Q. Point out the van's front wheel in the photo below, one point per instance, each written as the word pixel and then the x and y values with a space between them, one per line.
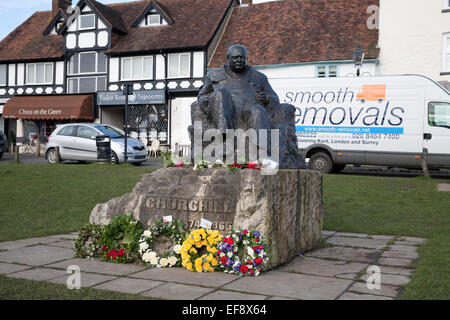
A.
pixel 321 161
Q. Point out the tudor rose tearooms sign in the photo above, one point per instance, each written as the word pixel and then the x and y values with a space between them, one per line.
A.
pixel 138 97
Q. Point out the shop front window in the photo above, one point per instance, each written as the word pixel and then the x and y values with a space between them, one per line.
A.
pixel 150 122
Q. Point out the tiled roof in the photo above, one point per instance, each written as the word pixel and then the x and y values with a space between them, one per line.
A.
pixel 27 41
pixel 194 24
pixel 292 31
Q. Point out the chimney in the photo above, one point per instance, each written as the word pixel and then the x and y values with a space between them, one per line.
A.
pixel 246 3
pixel 60 4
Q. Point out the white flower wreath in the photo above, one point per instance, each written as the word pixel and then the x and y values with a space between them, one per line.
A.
pixel 175 230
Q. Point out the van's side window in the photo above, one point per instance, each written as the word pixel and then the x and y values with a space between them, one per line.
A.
pixel 439 114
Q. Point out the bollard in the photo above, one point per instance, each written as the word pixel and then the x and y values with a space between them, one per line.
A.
pixel 16 154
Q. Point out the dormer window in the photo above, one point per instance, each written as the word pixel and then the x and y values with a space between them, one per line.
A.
pixel 87 21
pixel 153 19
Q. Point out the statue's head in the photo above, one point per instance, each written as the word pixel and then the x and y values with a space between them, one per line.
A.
pixel 237 58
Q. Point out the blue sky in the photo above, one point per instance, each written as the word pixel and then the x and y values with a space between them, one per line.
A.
pixel 14 12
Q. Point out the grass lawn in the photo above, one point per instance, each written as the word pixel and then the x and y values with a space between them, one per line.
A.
pixel 39 200
pixel 397 206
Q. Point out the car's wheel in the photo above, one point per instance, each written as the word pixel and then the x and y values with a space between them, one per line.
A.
pixel 321 161
pixel 53 156
pixel 114 159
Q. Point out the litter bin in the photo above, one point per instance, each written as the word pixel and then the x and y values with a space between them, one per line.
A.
pixel 103 149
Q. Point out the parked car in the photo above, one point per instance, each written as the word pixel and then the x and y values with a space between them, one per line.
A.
pixel 77 141
pixel 3 144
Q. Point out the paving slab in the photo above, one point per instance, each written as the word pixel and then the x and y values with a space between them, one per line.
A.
pixel 176 291
pixel 396 262
pixel 407 243
pixel 357 296
pixel 10 245
pixel 69 236
pixel 181 275
pixel 280 298
pixel 6 268
pixel 36 255
pixel 39 274
pixel 346 254
pixel 321 267
pixel 291 285
pixel 393 279
pixel 129 285
pixel 231 295
pixel 86 279
pixel 327 233
pixel 413 239
pixel 351 234
pixel 358 242
pixel 443 187
pixel 396 270
pixel 385 289
pixel 69 244
pixel 97 266
pixel 400 254
pixel 381 237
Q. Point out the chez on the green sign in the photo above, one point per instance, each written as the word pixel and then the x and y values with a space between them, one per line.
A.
pixel 138 97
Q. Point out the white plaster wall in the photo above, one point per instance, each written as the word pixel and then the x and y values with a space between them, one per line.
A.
pixel 199 64
pixel 71 41
pixel 59 72
pixel 309 70
pixel 180 120
pixel 114 64
pixel 12 75
pixel 411 37
pixel 160 69
pixel 86 40
pixel 20 74
pixel 102 39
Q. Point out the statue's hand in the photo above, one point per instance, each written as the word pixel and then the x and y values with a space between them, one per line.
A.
pixel 203 99
pixel 262 97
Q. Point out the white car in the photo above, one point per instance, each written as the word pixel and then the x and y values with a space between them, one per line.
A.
pixel 77 141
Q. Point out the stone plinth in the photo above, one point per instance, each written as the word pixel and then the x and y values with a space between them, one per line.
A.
pixel 286 208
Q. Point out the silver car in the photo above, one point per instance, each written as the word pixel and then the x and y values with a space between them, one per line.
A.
pixel 77 141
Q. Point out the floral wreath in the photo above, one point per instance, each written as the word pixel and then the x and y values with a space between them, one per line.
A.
pixel 120 238
pixel 195 243
pixel 87 243
pixel 174 230
pixel 254 260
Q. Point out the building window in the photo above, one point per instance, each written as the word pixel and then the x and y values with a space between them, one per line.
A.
pixel 137 68
pixel 40 73
pixel 153 20
pixel 3 68
pixel 326 71
pixel 87 22
pixel 446 53
pixel 86 84
pixel 179 65
pixel 87 62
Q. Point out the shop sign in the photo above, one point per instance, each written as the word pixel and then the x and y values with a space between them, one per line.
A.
pixel 138 97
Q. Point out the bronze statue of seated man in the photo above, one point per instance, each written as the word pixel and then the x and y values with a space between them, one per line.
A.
pixel 237 96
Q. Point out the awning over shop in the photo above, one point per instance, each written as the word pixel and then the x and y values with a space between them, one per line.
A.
pixel 49 107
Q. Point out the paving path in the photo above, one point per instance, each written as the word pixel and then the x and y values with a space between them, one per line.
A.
pixel 336 270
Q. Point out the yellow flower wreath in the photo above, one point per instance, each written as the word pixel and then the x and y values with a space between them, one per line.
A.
pixel 200 239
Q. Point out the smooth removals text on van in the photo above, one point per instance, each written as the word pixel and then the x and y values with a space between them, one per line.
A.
pixel 392 121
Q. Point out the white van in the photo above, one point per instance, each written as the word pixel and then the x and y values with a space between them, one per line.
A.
pixel 389 121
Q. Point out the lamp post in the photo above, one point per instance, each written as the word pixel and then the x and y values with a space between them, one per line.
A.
pixel 127 90
pixel 358 57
